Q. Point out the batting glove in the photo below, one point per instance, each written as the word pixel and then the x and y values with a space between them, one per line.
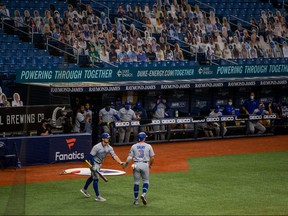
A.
pixel 94 168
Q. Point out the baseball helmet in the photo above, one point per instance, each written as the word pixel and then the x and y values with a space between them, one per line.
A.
pixel 105 136
pixel 141 136
pixel 217 106
pixel 138 104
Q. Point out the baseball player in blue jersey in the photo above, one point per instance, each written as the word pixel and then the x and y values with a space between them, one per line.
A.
pixel 96 158
pixel 143 156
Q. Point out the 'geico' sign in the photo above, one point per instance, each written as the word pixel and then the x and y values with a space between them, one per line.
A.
pixel 135 123
pixel 168 121
pixel 227 118
pixel 156 121
pixel 183 121
pixel 163 121
pixel 122 124
pixel 255 117
pixel 273 116
pixel 212 119
pixel 126 124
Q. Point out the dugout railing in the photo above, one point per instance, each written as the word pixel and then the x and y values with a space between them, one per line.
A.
pixel 193 128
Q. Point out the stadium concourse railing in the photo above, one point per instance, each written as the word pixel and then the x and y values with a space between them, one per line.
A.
pixel 187 128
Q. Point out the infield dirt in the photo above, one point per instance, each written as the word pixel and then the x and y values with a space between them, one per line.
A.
pixel 169 157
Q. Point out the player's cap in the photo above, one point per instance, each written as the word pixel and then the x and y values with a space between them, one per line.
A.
pixel 105 136
pixel 138 104
pixel 141 136
pixel 217 106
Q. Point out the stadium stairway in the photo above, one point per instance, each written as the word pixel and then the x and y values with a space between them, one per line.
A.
pixel 16 55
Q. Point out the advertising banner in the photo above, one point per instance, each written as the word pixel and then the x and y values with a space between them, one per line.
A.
pixel 199 85
pixel 69 147
pixel 149 73
pixel 28 118
pixel 197 119
pixel 50 149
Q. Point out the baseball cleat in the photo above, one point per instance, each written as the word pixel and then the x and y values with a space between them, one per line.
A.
pixel 84 192
pixel 136 202
pixel 143 198
pixel 99 198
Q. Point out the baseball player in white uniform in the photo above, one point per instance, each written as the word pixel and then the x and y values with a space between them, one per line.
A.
pixel 96 158
pixel 142 154
pixel 126 114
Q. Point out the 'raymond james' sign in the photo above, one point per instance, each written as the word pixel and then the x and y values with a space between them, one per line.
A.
pixel 149 73
pixel 28 118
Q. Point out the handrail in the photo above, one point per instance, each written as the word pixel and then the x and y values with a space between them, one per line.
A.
pixel 66 44
pixel 167 42
pixel 214 9
pixel 17 28
pixel 192 54
pixel 127 17
pixel 245 22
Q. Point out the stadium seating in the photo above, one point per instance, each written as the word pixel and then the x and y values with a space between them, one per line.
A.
pixel 25 53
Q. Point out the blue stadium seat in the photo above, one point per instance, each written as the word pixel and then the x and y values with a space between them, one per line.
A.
pixel 30 60
pixel 8 60
pixel 3 46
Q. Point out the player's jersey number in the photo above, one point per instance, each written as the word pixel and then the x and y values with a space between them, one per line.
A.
pixel 141 153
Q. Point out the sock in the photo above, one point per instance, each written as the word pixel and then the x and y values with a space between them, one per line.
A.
pixel 136 191
pixel 95 186
pixel 88 182
pixel 145 188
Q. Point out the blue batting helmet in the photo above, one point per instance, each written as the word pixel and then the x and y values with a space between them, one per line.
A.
pixel 141 136
pixel 138 105
pixel 105 136
pixel 217 106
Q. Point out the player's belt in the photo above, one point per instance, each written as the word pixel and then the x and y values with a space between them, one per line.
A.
pixel 140 161
pixel 97 162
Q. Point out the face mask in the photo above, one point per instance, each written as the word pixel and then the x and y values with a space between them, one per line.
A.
pixel 107 109
pixel 127 107
pixel 252 97
pixel 230 103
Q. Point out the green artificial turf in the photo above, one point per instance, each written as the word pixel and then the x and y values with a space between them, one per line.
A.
pixel 248 184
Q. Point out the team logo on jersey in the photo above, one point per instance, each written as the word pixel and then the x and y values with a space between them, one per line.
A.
pixel 70 142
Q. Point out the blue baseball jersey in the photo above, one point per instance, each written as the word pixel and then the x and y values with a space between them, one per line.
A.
pixel 229 110
pixel 251 105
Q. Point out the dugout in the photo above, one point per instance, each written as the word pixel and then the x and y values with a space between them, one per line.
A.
pixel 187 97
pixel 190 90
